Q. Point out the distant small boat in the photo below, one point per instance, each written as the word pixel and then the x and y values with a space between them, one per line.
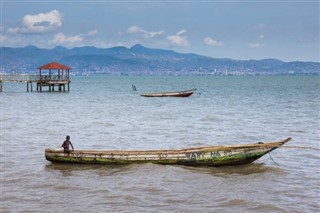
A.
pixel 185 93
pixel 202 156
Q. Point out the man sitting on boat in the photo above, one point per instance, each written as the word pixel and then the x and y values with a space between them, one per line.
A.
pixel 66 144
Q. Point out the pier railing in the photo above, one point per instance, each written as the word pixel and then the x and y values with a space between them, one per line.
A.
pixel 30 78
pixel 53 78
pixel 18 77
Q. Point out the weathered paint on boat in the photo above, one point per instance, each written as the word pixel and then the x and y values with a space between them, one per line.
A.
pixel 208 156
pixel 185 93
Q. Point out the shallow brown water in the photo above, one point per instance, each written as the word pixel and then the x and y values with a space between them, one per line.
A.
pixel 105 114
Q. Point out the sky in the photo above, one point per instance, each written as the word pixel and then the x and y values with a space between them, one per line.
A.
pixel 241 30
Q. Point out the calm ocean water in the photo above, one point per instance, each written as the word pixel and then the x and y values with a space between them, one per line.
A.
pixel 104 113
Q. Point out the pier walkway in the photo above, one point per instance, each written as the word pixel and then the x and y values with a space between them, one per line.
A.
pixel 40 80
pixel 19 78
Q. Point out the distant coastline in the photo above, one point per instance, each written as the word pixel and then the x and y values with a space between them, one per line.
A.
pixel 140 60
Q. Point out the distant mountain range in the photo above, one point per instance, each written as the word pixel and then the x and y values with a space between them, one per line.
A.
pixel 139 60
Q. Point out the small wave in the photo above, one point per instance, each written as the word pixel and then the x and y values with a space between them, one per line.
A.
pixel 209 118
pixel 298 131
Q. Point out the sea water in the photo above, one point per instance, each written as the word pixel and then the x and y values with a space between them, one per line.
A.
pixel 103 112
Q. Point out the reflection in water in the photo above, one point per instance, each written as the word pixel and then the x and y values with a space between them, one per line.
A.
pixel 108 170
pixel 248 169
pixel 71 169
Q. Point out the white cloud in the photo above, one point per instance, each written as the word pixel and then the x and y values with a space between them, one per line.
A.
pixel 256 45
pixel 135 30
pixel 116 44
pixel 60 38
pixel 3 38
pixel 263 27
pixel 13 30
pixel 92 32
pixel 153 34
pixel 39 23
pixel 212 42
pixel 259 27
pixel 181 32
pixel 179 38
pixel 146 34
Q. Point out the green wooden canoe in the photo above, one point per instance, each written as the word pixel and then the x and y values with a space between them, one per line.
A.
pixel 208 156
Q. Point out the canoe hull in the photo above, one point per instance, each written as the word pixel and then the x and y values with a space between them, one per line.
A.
pixel 182 94
pixel 206 156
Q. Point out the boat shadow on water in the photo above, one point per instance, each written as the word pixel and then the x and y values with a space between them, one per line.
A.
pixel 241 170
pixel 109 170
pixel 71 169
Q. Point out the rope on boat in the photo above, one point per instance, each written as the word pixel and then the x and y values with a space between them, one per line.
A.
pixel 273 160
pixel 300 147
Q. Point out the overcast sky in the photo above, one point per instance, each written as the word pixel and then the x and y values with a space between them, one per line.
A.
pixel 286 30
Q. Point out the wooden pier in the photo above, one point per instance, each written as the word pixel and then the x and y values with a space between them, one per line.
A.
pixel 55 81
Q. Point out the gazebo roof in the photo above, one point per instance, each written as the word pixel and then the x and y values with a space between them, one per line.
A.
pixel 54 66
